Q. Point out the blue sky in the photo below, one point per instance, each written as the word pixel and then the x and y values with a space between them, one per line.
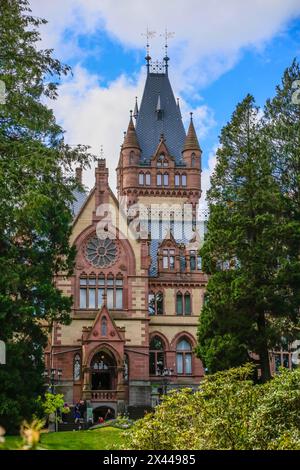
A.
pixel 221 51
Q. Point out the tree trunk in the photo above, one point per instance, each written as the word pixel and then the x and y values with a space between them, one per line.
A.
pixel 263 349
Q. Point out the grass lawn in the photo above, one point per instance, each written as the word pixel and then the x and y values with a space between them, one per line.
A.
pixel 100 439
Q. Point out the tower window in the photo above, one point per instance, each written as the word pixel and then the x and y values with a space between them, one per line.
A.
pixel 193 260
pixel 193 160
pixel 141 179
pixel 131 157
pixel 184 357
pixel 148 179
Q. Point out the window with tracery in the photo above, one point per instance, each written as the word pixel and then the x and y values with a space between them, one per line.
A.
pixel 184 357
pixel 101 253
pixel 93 288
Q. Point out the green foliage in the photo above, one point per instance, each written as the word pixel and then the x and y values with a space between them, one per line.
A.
pixel 54 402
pixel 229 411
pixel 36 192
pixel 251 249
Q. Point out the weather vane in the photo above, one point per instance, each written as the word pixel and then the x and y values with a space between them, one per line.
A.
pixel 101 151
pixel 149 35
pixel 167 35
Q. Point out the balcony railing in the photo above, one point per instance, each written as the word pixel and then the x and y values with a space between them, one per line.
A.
pixel 103 395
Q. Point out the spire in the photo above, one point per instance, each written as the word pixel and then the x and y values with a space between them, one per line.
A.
pixel 131 139
pixel 136 109
pixel 191 141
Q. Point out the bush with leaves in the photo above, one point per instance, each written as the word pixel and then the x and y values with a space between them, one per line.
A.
pixel 229 411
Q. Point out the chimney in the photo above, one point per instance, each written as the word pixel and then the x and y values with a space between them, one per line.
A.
pixel 78 173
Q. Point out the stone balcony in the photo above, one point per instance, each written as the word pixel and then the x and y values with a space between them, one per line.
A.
pixel 103 395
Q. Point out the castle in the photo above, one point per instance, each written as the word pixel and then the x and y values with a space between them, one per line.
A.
pixel 138 285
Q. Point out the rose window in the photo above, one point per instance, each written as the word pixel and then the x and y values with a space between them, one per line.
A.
pixel 101 253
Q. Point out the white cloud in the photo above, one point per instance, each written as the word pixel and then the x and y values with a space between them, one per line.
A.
pixel 205 177
pixel 209 39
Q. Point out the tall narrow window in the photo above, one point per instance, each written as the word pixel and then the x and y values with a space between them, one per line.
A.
pixel 156 356
pixel 183 180
pixel 148 179
pixel 193 260
pixel 199 263
pixel 83 293
pixel 158 179
pixel 103 326
pixel 179 304
pixel 141 179
pixel 193 160
pixel 77 368
pixel 184 357
pixel 166 179
pixel 131 157
pixel 169 259
pixel 177 180
pixel 187 304
pixel 156 303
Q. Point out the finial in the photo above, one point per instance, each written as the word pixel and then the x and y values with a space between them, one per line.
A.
pixel 131 113
pixel 101 151
pixel 167 35
pixel 191 114
pixel 136 109
pixel 178 102
pixel 149 35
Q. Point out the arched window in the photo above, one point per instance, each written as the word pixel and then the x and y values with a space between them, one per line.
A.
pixel 131 157
pixel 187 303
pixel 193 160
pixel 148 179
pixel 166 179
pixel 177 180
pixel 162 161
pixel 183 180
pixel 193 255
pixel 141 179
pixel 156 356
pixel 159 179
pixel 103 326
pixel 156 303
pixel 77 367
pixel 184 357
pixel 179 304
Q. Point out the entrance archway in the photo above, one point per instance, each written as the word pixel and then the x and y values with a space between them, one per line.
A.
pixel 105 412
pixel 103 371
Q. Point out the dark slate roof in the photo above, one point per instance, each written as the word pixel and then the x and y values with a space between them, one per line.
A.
pixel 79 200
pixel 149 128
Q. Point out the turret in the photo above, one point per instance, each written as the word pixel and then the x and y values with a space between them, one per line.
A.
pixel 191 150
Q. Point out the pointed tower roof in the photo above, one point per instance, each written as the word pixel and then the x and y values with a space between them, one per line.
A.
pixel 158 93
pixel 191 141
pixel 136 109
pixel 131 139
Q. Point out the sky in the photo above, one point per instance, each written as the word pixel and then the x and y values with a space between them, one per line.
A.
pixel 220 51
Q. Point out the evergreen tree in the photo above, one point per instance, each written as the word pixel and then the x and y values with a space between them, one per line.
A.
pixel 249 296
pixel 36 187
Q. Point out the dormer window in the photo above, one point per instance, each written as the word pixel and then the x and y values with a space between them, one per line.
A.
pixel 162 161
pixel 169 259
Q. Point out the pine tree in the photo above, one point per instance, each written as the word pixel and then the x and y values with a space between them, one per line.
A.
pixel 248 310
pixel 36 192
